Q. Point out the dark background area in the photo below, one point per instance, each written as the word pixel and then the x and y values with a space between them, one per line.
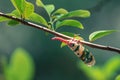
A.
pixel 53 62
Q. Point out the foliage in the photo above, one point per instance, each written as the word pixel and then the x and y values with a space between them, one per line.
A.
pixel 106 72
pixel 98 34
pixel 118 77
pixel 20 67
pixel 58 18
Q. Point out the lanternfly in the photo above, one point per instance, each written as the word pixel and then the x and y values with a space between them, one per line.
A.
pixel 79 50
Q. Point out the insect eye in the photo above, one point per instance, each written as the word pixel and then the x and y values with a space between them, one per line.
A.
pixel 72 45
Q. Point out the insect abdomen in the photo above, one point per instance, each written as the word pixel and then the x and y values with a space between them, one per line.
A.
pixel 87 57
pixel 79 50
pixel 83 54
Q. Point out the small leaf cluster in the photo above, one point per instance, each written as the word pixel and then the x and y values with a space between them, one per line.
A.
pixel 58 18
pixel 63 18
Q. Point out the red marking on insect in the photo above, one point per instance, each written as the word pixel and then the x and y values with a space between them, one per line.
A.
pixel 79 50
pixel 61 39
pixel 68 42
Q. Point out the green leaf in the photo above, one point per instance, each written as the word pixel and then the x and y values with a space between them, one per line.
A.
pixel 98 34
pixel 39 3
pixel 118 77
pixel 49 8
pixel 21 66
pixel 3 19
pixel 19 5
pixel 13 23
pixel 63 44
pixel 15 13
pixel 23 7
pixel 106 72
pixel 29 9
pixel 108 69
pixel 60 11
pixel 70 22
pixel 37 18
pixel 76 13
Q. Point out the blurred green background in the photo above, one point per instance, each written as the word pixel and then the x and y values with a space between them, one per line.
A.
pixel 53 62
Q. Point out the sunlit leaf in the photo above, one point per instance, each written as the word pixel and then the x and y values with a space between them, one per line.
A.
pixel 19 5
pixel 76 13
pixel 98 72
pixel 87 70
pixel 56 17
pixel 37 18
pixel 63 44
pixel 105 72
pixel 15 13
pixel 3 19
pixel 39 3
pixel 29 9
pixel 49 8
pixel 23 7
pixel 118 77
pixel 70 23
pixel 108 69
pixel 60 11
pixel 99 34
pixel 21 66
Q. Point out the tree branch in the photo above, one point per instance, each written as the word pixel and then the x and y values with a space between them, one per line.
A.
pixel 109 48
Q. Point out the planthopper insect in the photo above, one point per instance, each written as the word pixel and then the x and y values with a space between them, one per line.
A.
pixel 84 54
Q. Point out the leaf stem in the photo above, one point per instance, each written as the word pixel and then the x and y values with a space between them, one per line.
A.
pixel 30 24
pixel 51 23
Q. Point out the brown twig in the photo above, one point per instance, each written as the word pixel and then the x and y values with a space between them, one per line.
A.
pixel 109 48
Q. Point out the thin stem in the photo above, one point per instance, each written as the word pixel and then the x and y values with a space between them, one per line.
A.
pixel 109 48
pixel 51 22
